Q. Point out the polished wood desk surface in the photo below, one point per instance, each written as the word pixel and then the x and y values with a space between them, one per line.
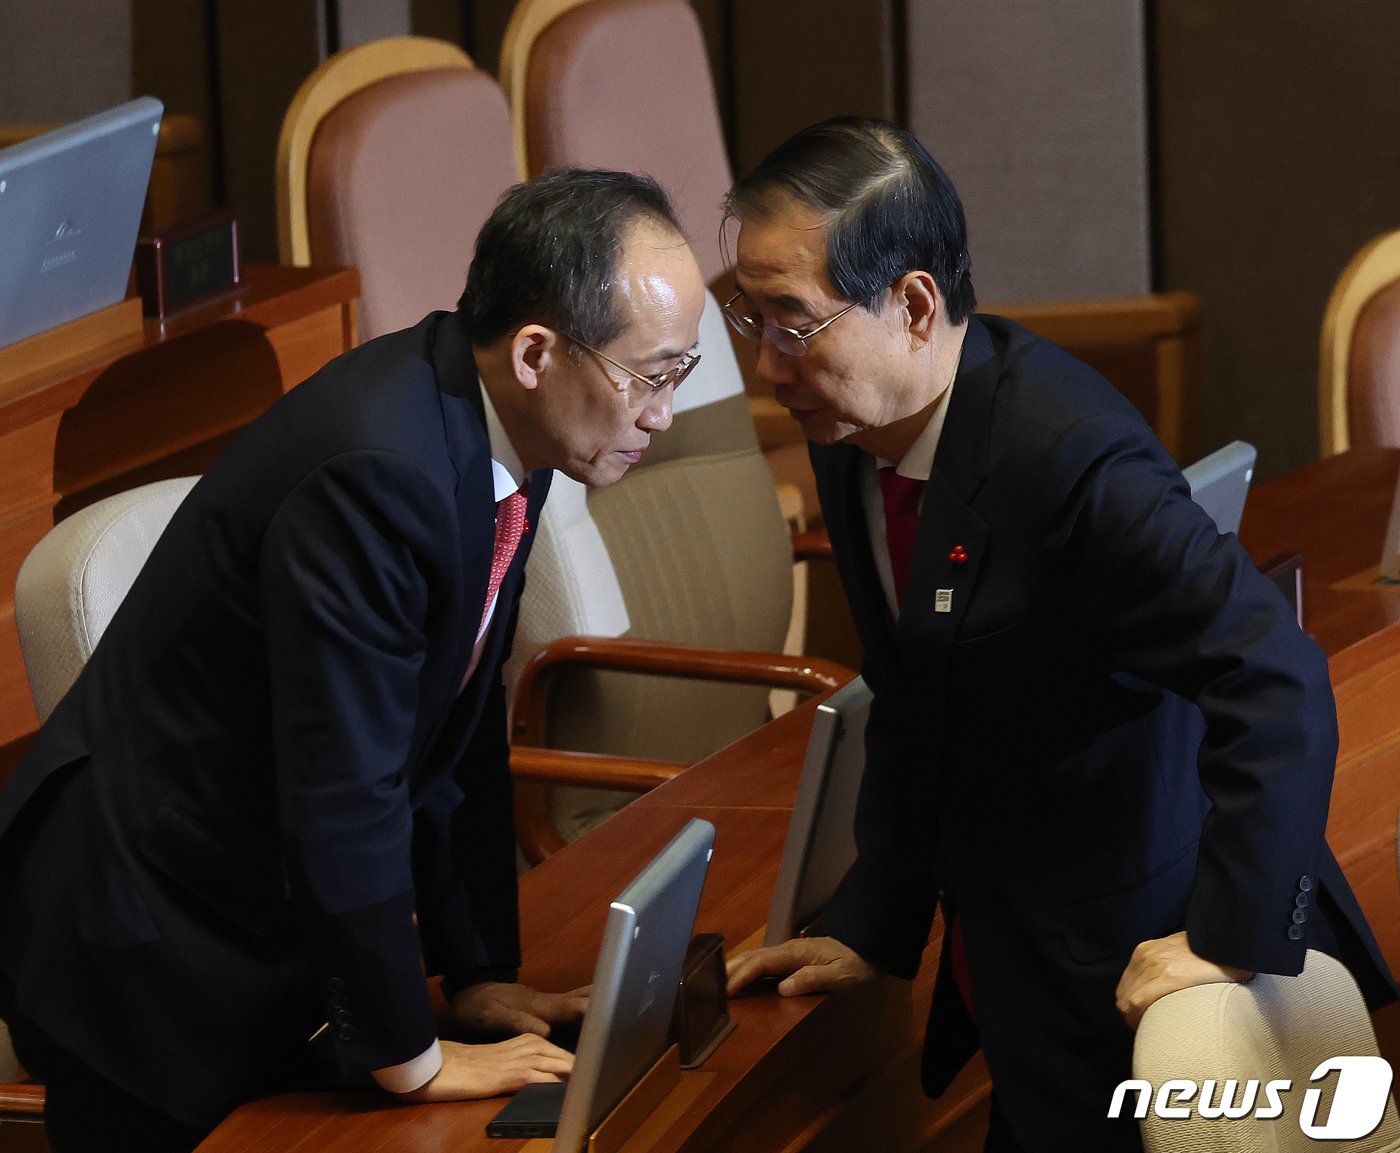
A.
pixel 1334 513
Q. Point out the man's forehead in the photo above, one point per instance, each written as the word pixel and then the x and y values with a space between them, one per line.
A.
pixel 781 253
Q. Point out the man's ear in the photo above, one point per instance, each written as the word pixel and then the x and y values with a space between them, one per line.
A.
pixel 917 296
pixel 533 351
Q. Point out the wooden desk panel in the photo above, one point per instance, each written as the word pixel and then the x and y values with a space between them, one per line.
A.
pixel 155 403
pixel 1334 513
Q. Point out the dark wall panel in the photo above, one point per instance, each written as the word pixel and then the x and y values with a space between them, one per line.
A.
pixel 1277 156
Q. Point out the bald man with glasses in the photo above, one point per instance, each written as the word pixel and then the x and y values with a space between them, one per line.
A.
pixel 281 784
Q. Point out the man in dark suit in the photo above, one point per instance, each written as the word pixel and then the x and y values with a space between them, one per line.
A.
pixel 280 785
pixel 1098 737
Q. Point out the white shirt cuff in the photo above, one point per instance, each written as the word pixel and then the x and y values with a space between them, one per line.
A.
pixel 412 1074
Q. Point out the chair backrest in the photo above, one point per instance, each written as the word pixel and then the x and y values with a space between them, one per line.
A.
pixel 1273 1028
pixel 691 547
pixel 1359 358
pixel 392 155
pixel 76 577
pixel 582 78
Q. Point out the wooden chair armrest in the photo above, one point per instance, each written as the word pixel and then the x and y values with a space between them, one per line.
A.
pixel 532 763
pixel 628 654
pixel 811 546
pixel 23 1098
pixel 597 770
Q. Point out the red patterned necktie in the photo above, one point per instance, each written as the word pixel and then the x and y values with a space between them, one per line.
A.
pixel 510 527
pixel 901 496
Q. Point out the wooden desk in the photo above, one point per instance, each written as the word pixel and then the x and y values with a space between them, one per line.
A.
pixel 808 1073
pixel 827 1074
pixel 158 404
pixel 1334 513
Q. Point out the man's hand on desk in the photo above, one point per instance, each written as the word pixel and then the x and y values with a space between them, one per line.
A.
pixel 495 1006
pixel 1163 966
pixel 489 1070
pixel 805 964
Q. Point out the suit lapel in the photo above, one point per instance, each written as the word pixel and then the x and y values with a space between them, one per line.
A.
pixel 941 586
pixel 837 468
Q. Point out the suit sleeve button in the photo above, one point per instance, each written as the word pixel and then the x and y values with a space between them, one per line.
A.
pixel 1299 916
pixel 342 1017
pixel 347 1032
pixel 1295 932
pixel 1301 900
pixel 1305 883
pixel 335 985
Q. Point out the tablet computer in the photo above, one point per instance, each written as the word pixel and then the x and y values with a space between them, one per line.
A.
pixel 1220 483
pixel 820 843
pixel 635 982
pixel 70 208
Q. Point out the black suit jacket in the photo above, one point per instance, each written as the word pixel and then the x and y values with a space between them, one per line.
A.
pixel 1114 731
pixel 223 835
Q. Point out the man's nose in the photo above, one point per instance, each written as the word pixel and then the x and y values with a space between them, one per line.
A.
pixel 773 366
pixel 656 413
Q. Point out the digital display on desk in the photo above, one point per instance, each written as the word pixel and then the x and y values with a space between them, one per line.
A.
pixel 183 266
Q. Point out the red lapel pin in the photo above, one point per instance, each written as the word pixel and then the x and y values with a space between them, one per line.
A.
pixel 959 555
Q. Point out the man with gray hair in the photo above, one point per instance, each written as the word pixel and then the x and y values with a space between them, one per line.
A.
pixel 1098 738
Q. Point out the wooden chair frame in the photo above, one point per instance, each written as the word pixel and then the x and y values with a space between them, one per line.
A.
pixel 331 84
pixel 532 764
pixel 1372 269
pixel 529 19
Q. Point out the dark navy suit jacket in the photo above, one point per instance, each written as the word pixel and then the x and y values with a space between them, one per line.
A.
pixel 1114 731
pixel 223 835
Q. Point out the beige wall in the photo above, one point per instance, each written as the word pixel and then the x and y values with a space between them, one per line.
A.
pixel 1039 114
pixel 63 59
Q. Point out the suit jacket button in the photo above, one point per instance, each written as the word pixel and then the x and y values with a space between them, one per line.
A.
pixel 347 1032
pixel 1305 882
pixel 1299 916
pixel 1295 932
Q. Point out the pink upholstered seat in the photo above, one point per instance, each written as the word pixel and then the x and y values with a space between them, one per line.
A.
pixel 401 177
pixel 1374 375
pixel 392 155
pixel 624 84
pixel 1358 381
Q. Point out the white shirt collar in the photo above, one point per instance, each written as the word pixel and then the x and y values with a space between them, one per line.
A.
pixel 918 461
pixel 507 471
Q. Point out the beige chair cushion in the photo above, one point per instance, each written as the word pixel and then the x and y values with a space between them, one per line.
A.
pixel 73 581
pixel 626 84
pixel 1269 1029
pixel 401 177
pixel 1373 380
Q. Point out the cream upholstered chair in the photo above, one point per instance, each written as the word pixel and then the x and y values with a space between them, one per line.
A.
pixel 73 581
pixel 392 155
pixel 1359 358
pixel 1272 1028
pixel 571 70
pixel 66 593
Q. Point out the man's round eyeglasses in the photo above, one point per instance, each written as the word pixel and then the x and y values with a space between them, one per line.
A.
pixel 788 341
pixel 654 384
